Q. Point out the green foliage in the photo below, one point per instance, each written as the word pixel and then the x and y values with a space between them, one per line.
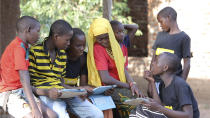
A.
pixel 79 13
pixel 119 11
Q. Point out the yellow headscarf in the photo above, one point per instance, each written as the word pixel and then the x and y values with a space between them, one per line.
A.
pixel 98 27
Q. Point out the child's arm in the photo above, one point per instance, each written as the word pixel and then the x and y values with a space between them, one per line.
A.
pixel 131 28
pixel 84 83
pixel 83 80
pixel 186 54
pixel 149 91
pixel 186 68
pixel 25 81
pixel 187 110
pixel 155 93
pixel 52 93
pixel 109 80
pixel 153 90
pixel 186 113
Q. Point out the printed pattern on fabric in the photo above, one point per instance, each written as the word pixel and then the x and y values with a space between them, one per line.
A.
pixel 162 50
pixel 71 81
pixel 119 96
pixel 44 73
pixel 143 112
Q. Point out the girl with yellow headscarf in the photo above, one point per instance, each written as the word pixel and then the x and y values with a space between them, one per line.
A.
pixel 105 61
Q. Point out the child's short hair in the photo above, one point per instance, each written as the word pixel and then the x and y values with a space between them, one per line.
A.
pixel 26 22
pixel 171 60
pixel 115 23
pixel 59 27
pixel 76 32
pixel 168 12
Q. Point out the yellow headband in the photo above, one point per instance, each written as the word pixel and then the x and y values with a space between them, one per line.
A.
pixel 98 27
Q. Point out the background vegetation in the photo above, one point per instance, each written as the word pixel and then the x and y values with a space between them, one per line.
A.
pixel 79 13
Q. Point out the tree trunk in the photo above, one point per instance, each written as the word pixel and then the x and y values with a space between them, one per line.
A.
pixel 107 9
pixel 9 13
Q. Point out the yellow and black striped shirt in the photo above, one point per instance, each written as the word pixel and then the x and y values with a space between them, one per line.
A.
pixel 43 73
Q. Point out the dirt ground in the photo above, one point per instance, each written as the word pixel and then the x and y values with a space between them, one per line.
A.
pixel 201 89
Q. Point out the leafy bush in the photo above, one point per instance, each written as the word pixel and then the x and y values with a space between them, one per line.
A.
pixel 79 13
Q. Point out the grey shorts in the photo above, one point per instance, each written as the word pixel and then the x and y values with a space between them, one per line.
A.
pixel 17 103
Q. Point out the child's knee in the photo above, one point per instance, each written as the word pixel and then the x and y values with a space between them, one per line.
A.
pixel 47 112
pixel 98 114
pixel 52 115
pixel 29 115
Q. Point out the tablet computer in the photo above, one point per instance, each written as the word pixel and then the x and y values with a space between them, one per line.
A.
pixel 68 93
pixel 102 89
pixel 136 101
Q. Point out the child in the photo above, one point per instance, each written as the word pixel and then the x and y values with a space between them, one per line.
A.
pixel 106 65
pixel 47 67
pixel 172 40
pixel 175 93
pixel 15 88
pixel 76 68
pixel 124 41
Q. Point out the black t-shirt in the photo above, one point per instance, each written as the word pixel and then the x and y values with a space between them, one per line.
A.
pixel 178 44
pixel 76 68
pixel 178 94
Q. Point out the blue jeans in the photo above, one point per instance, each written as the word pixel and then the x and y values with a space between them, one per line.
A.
pixel 83 109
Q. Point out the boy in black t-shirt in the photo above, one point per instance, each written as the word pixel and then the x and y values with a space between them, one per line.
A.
pixel 176 99
pixel 172 40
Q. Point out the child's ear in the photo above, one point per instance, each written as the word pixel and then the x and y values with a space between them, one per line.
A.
pixel 165 68
pixel 55 36
pixel 28 29
pixel 169 18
